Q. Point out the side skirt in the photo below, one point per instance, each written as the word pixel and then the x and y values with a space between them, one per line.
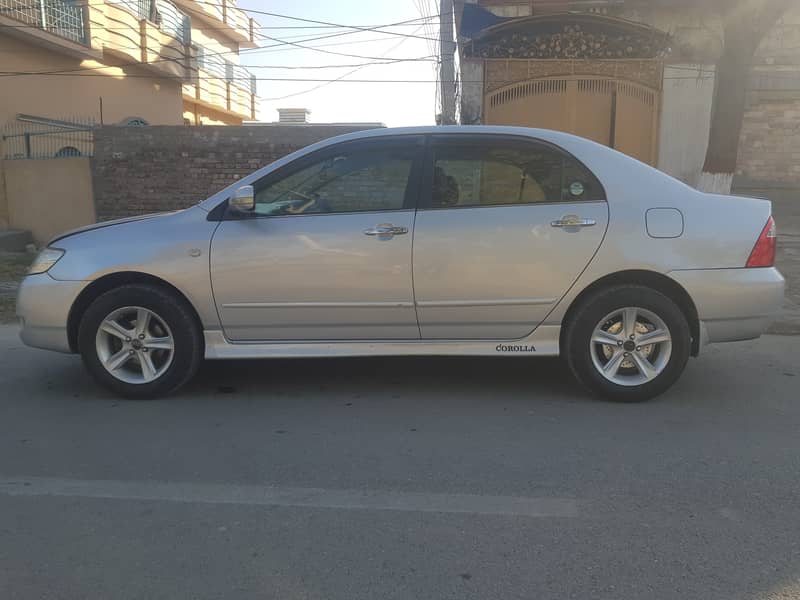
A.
pixel 542 342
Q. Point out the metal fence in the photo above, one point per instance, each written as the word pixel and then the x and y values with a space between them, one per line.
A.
pixel 64 18
pixel 34 137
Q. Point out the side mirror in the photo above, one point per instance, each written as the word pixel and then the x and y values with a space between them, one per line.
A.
pixel 243 199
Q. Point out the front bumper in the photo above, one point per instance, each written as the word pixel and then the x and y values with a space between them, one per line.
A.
pixel 733 304
pixel 43 305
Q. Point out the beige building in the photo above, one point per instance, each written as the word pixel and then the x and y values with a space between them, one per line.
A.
pixel 126 62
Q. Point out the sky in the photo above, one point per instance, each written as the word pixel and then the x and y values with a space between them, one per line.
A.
pixel 395 104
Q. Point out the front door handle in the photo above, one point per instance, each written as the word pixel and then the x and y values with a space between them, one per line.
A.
pixel 386 230
pixel 573 221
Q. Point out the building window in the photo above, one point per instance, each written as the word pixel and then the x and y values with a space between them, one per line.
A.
pixel 134 122
pixel 68 151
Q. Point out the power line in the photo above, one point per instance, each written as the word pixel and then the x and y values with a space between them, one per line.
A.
pixel 327 23
pixel 273 49
pixel 316 49
pixel 178 78
pixel 220 53
pixel 357 28
pixel 157 76
pixel 337 79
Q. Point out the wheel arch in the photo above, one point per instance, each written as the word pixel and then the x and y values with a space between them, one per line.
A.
pixel 108 282
pixel 651 279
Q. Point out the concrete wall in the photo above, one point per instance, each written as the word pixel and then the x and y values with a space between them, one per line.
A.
pixel 685 120
pixel 48 197
pixel 151 169
pixel 471 91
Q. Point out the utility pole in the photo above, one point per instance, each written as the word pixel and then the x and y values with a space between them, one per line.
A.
pixel 447 70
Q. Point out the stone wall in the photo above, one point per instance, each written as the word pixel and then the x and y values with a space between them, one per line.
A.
pixel 150 169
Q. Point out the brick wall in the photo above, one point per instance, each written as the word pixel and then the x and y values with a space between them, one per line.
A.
pixel 139 170
pixel 769 149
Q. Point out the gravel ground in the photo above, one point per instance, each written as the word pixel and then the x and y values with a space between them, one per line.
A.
pixel 12 269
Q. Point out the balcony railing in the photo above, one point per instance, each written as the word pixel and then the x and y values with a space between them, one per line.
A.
pixel 173 22
pixel 212 63
pixel 64 18
pixel 162 12
pixel 243 78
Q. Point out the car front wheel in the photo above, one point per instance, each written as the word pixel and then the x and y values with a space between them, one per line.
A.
pixel 140 341
pixel 628 343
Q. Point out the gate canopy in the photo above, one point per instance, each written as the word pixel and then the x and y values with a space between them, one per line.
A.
pixel 567 36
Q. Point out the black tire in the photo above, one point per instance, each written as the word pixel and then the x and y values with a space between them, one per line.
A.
pixel 578 335
pixel 173 310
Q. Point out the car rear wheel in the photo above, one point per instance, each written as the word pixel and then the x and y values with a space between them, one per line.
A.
pixel 140 341
pixel 628 343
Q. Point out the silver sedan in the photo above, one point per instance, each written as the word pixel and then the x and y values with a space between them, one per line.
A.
pixel 428 241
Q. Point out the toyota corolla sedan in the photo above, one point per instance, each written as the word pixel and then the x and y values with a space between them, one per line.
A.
pixel 493 241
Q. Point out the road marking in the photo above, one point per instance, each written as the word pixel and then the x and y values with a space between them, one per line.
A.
pixel 215 493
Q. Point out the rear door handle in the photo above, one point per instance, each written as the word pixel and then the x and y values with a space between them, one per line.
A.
pixel 573 221
pixel 386 230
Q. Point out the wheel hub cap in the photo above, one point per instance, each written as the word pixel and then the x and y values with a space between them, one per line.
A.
pixel 135 345
pixel 631 346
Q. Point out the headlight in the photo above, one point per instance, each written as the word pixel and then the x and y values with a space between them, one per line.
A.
pixel 46 259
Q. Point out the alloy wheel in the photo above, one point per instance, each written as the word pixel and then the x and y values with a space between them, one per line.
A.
pixel 631 346
pixel 135 345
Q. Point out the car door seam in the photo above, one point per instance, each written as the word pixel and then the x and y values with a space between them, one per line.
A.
pixel 211 277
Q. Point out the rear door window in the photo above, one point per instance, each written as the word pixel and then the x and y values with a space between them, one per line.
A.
pixel 494 172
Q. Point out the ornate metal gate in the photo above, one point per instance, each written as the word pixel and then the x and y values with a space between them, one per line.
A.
pixel 618 113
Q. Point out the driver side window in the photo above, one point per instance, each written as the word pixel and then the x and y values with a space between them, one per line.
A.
pixel 357 181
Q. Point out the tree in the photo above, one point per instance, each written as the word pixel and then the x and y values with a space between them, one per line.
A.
pixel 745 23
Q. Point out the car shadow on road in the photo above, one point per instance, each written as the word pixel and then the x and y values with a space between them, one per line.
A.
pixel 393 376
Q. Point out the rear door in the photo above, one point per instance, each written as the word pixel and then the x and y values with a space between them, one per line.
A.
pixel 505 227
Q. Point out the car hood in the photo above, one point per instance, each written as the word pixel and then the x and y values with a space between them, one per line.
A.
pixel 111 223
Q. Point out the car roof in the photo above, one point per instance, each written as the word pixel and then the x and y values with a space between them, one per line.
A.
pixel 542 134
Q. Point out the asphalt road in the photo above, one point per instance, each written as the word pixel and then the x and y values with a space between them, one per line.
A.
pixel 401 479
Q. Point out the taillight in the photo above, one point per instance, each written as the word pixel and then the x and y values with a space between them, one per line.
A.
pixel 763 254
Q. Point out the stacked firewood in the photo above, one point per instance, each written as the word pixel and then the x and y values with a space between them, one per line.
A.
pixel 574 41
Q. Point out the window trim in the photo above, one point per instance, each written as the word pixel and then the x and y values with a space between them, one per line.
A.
pixel 437 139
pixel 412 142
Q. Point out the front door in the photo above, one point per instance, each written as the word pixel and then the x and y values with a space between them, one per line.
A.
pixel 327 254
pixel 507 228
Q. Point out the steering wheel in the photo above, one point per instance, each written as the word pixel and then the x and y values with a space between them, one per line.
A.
pixel 302 195
pixel 292 205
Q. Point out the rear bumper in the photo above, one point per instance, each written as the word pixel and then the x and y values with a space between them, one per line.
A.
pixel 43 305
pixel 733 304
